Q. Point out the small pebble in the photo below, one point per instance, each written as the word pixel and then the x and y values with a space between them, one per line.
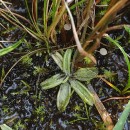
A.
pixel 103 51
pixel 67 27
pixel 68 1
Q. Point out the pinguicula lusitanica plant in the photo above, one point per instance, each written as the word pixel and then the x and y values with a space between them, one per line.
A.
pixel 68 80
pixel 42 31
pixel 5 127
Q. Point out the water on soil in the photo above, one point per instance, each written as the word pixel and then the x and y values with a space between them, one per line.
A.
pixel 23 105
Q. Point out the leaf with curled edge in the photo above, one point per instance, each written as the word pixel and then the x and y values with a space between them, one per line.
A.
pixel 63 96
pixel 57 57
pixel 86 74
pixel 67 61
pixel 82 91
pixel 52 82
pixel 5 127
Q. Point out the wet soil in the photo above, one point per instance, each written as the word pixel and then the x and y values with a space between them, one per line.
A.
pixel 24 106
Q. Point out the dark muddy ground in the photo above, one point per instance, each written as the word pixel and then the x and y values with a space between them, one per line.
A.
pixel 24 106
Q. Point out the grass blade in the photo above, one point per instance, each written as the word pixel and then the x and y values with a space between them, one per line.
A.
pixel 34 10
pixel 111 85
pixel 45 15
pixel 77 4
pixel 127 29
pixel 120 124
pixel 10 48
pixel 56 20
pixel 126 59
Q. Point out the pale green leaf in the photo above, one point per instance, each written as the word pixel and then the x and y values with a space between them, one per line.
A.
pixel 10 48
pixel 63 96
pixel 67 61
pixel 127 29
pixel 57 57
pixel 86 74
pixel 5 127
pixel 52 82
pixel 82 91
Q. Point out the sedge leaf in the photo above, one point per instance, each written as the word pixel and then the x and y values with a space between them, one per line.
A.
pixel 10 48
pixel 120 124
pixel 125 57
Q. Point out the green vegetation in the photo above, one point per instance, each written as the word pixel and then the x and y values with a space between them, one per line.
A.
pixel 69 80
pixel 126 59
pixel 5 127
pixel 121 122
pixel 10 48
pixel 41 61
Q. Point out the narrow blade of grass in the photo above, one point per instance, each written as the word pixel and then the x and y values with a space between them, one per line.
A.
pixel 111 85
pixel 10 48
pixel 126 59
pixel 120 124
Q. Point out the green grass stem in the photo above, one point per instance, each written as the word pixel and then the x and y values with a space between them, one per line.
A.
pixel 126 59
pixel 122 120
